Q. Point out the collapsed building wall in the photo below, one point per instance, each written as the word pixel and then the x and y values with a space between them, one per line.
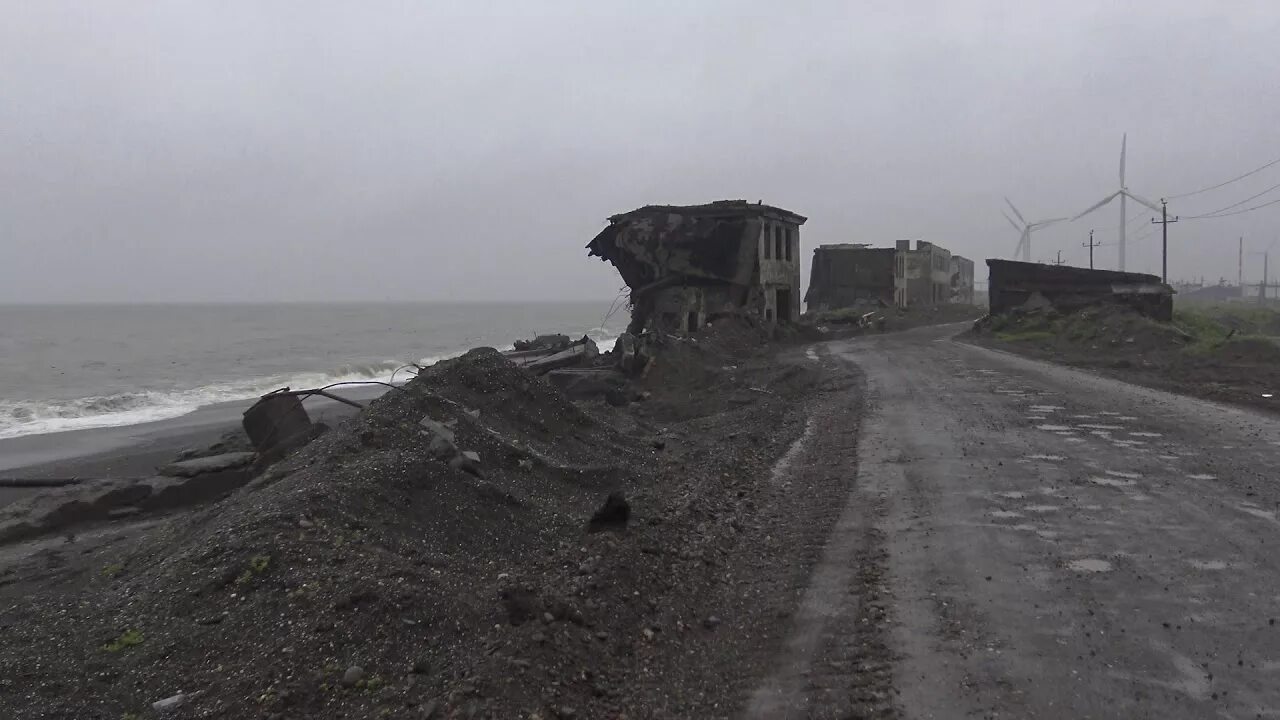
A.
pixel 847 275
pixel 922 276
pixel 685 265
pixel 1014 285
pixel 961 280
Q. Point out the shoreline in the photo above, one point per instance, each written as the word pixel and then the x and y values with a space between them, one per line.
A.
pixel 121 451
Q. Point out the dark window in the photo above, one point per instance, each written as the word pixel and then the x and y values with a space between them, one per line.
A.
pixel 788 244
pixel 766 242
pixel 777 241
pixel 693 322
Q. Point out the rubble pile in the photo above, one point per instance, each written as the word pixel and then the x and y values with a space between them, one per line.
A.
pixel 474 544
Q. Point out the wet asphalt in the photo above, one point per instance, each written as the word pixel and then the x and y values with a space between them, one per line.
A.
pixel 1062 545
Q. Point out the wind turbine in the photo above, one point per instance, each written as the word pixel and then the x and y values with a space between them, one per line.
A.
pixel 1026 228
pixel 1124 194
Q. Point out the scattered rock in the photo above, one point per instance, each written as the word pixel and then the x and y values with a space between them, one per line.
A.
pixel 613 515
pixel 712 622
pixel 521 605
pixel 170 703
pixel 353 675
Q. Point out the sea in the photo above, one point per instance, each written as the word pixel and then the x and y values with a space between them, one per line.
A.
pixel 68 367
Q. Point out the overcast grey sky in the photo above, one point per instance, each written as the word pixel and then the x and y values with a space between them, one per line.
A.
pixel 315 150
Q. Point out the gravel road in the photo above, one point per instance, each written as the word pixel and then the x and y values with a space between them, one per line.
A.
pixel 1027 540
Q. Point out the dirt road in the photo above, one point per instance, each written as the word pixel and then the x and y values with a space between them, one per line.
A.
pixel 1025 540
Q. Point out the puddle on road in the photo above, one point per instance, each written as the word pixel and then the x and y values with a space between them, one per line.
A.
pixel 1083 417
pixel 1042 508
pixel 1092 565
pixel 1012 494
pixel 1052 458
pixel 1107 412
pixel 1095 426
pixel 1202 476
pixel 1045 408
pixel 1111 482
pixel 1054 428
pixel 1005 514
pixel 1146 434
pixel 1128 475
pixel 1036 417
pixel 1125 418
pixel 1208 564
pixel 1074 439
pixel 1167 457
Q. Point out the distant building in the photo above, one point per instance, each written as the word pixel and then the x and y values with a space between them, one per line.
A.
pixel 961 280
pixel 848 275
pixel 851 274
pixel 922 276
pixel 688 264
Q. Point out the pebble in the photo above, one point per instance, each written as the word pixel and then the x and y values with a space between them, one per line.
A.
pixel 353 675
pixel 548 617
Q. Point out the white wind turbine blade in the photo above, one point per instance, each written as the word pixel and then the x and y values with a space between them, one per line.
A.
pixel 1123 143
pixel 1022 241
pixel 1015 211
pixel 1015 225
pixel 1050 221
pixel 1099 204
pixel 1135 198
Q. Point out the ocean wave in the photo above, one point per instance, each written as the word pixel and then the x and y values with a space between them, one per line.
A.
pixel 37 417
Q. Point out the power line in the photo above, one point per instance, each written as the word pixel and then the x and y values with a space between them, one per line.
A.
pixel 1237 212
pixel 1228 182
pixel 1235 205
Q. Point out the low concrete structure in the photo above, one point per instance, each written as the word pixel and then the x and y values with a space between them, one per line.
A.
pixel 1014 285
pixel 687 264
pixel 848 275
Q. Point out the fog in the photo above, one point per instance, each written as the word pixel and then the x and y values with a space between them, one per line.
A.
pixel 263 151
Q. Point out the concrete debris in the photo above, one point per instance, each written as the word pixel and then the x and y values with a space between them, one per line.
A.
pixel 544 342
pixel 542 361
pixel 613 515
pixel 200 466
pixel 170 703
pixel 687 265
pixel 1030 286
pixel 275 419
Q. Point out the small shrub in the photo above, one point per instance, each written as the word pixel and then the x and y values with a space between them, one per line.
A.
pixel 126 640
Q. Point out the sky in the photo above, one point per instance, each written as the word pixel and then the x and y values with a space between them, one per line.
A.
pixel 268 150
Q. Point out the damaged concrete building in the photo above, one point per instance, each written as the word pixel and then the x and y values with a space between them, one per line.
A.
pixel 849 275
pixel 922 276
pixel 688 264
pixel 1022 285
pixel 961 280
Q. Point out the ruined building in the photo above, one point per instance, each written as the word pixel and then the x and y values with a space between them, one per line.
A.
pixel 961 280
pixel 688 264
pixel 922 276
pixel 1021 285
pixel 849 275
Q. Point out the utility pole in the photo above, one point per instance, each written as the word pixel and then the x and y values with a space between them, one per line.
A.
pixel 1240 268
pixel 1262 289
pixel 1164 244
pixel 1060 261
pixel 1091 245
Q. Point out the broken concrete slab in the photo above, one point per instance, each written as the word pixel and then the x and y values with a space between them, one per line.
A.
pixel 211 464
pixel 584 383
pixel 542 361
pixel 276 418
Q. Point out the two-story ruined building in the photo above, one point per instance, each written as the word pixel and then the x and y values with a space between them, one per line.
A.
pixel 688 264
